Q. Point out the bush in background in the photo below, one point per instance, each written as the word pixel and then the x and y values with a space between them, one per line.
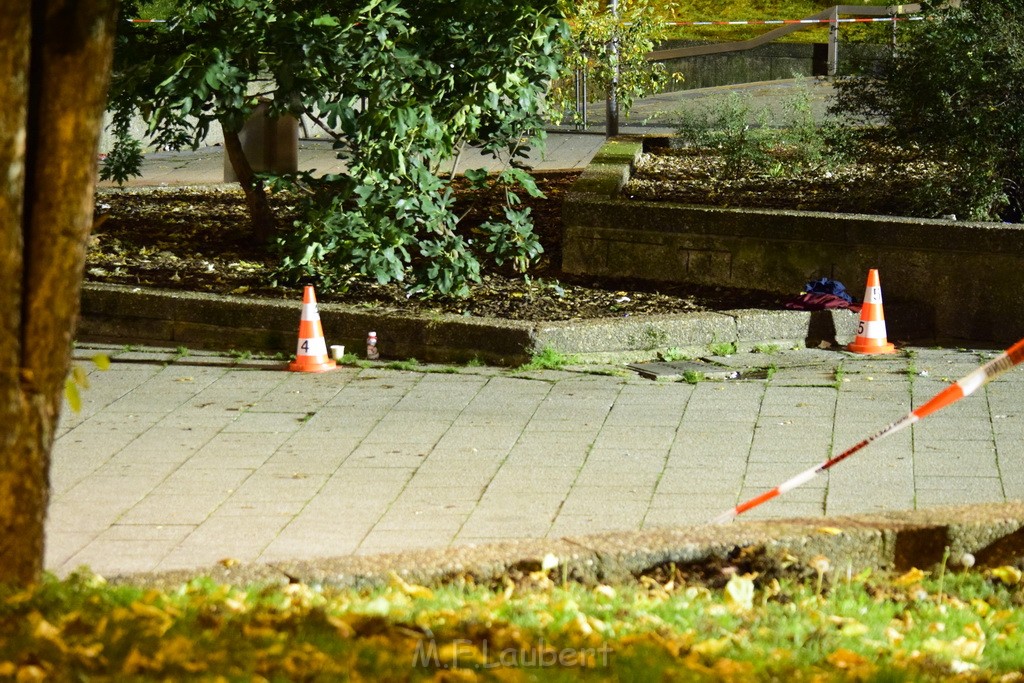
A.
pixel 400 85
pixel 954 87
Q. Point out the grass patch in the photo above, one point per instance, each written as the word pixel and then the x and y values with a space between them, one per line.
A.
pixel 409 365
pixel 807 624
pixel 548 359
pixel 767 349
pixel 911 371
pixel 693 376
pixel 723 348
pixel 673 354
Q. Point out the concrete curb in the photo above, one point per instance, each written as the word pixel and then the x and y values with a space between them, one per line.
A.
pixel 135 315
pixel 993 533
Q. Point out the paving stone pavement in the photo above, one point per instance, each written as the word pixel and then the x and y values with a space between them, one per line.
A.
pixel 179 461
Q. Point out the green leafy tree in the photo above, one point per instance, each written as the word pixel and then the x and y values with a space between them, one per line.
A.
pixel 954 86
pixel 401 86
pixel 634 29
pixel 452 74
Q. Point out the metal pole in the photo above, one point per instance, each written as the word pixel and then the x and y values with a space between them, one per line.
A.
pixel 612 101
pixel 586 98
pixel 833 42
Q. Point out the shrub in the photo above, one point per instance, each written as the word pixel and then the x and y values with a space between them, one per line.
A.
pixel 401 85
pixel 954 86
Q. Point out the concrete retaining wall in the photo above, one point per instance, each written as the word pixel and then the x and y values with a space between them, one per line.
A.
pixel 940 278
pixel 134 315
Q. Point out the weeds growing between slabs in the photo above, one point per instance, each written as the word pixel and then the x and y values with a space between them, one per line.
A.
pixel 803 623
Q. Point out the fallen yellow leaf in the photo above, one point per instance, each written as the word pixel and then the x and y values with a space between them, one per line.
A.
pixel 913 576
pixel 960 648
pixel 1011 576
pixel 713 647
pixel 412 590
pixel 739 592
pixel 846 659
pixel 31 673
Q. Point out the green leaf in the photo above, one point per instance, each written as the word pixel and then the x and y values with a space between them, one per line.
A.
pixel 477 177
pixel 74 399
pixel 326 20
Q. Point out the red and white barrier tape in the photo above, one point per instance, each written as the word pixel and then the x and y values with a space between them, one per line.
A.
pixel 951 394
pixel 772 22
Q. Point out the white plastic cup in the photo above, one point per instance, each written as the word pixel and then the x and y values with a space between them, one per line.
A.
pixel 337 351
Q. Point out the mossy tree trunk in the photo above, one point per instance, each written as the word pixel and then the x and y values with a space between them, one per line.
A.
pixel 55 63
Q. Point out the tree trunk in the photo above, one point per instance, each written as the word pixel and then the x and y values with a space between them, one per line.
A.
pixel 55 57
pixel 264 222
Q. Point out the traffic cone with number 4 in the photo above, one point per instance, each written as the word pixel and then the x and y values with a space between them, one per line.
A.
pixel 871 329
pixel 311 353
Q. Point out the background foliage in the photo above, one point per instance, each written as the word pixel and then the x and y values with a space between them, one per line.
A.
pixel 954 87
pixel 400 86
pixel 636 28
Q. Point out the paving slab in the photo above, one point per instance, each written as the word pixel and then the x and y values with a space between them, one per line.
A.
pixel 177 462
pixel 174 467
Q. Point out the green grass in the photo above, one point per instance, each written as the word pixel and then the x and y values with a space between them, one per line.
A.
pixel 723 348
pixel 548 359
pixel 911 370
pixel 693 376
pixel 408 365
pixel 799 625
pixel 767 349
pixel 673 354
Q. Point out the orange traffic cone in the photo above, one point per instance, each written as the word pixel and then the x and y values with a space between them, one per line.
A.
pixel 311 354
pixel 871 330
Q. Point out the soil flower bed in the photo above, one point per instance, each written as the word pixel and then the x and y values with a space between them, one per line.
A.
pixel 197 239
pixel 890 182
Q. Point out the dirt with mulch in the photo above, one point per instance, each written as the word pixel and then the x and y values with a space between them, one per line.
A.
pixel 198 239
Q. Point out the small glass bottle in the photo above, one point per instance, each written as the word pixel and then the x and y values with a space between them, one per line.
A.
pixel 371 347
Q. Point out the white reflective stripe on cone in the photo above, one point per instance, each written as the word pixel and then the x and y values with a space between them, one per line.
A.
pixel 309 312
pixel 873 295
pixel 872 329
pixel 316 346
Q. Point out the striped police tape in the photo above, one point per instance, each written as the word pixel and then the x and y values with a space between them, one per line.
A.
pixel 769 22
pixel 951 394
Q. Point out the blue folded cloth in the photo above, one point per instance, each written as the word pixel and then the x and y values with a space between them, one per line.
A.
pixel 827 286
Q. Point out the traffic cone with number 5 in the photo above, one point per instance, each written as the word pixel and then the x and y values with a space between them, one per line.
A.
pixel 311 353
pixel 871 329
